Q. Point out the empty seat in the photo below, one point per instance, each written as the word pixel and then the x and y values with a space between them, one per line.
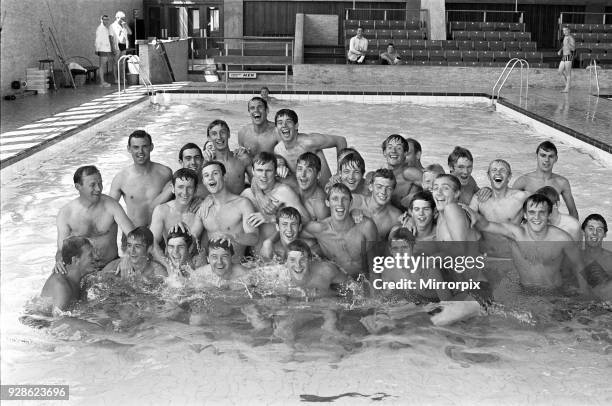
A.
pixel 437 63
pixel 472 26
pixel 406 54
pixel 465 45
pixel 449 44
pixel 471 63
pixel 481 45
pixel 351 24
pixel 516 26
pixel 516 54
pixel 497 46
pixel 415 34
pixel 399 33
pixel 487 26
pixel 597 28
pixel 477 36
pixel 437 55
pixel 491 35
pixel 397 25
pixel 502 26
pixel 417 44
pixel 528 46
pixel 383 34
pixel 506 36
pixel 457 26
pixel 434 44
pixel 535 57
pixel 579 36
pixel 401 43
pixel 501 56
pixel 453 56
pixel 513 46
pixel 461 35
pixel 581 28
pixel 604 37
pixel 469 56
pixel 522 36
pixel 413 25
pixel 607 28
pixel 381 24
pixel 369 33
pixel 589 37
pixel 485 56
pixel 366 24
pixel 420 55
pixel 455 63
pixel 600 48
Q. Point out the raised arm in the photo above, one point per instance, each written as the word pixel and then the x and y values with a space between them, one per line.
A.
pixel 568 198
pixel 115 190
pixel 251 234
pixel 120 217
pixel 290 198
pixel 157 228
pixel 324 141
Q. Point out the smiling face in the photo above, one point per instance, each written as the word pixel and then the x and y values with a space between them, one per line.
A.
pixel 351 176
pixel 298 265
pixel 339 204
pixel 444 192
pixel 220 261
pixel 137 250
pixel 400 247
pixel 264 175
pixel 90 187
pixel 422 213
pixel 183 190
pixel 428 179
pixel 594 233
pixel 382 189
pixel 394 153
pixel 177 250
pixel 546 160
pixel 192 159
pixel 219 136
pixel 85 261
pixel 287 128
pixel 140 149
pixel 306 175
pixel 463 170
pixel 499 175
pixel 258 112
pixel 212 176
pixel 289 228
pixel 536 215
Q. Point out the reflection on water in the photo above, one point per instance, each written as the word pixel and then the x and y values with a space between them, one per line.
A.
pixel 139 339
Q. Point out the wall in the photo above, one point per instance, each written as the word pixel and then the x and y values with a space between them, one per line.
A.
pixel 435 78
pixel 320 29
pixel 74 23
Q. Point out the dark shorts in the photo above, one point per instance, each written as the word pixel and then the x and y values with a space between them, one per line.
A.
pixel 122 47
pixel 567 58
pixel 106 54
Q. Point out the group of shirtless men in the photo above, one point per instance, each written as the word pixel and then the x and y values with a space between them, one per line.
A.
pixel 275 197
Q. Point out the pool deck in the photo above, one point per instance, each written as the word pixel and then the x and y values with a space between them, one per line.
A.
pixel 32 123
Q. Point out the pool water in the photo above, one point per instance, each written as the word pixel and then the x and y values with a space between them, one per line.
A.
pixel 135 345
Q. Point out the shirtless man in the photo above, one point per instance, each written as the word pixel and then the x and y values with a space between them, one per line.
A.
pixel 190 157
pixel 220 272
pixel 539 247
pixel 140 184
pixel 546 155
pixel 224 213
pixel 293 144
pixel 237 166
pixel 352 170
pixel 342 240
pixel 264 169
pixel 504 206
pixel 567 52
pixel 461 164
pixel 64 289
pixel 310 191
pixel 167 215
pixel 561 220
pixel 378 205
pixel 92 215
pixel 422 213
pixel 261 134
pixel 597 259
pixel 289 226
pixel 181 262
pixel 430 173
pixel 138 255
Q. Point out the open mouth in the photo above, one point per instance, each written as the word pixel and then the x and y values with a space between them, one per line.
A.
pixel 498 179
pixel 340 211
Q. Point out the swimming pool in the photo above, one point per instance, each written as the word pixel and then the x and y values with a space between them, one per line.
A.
pixel 150 359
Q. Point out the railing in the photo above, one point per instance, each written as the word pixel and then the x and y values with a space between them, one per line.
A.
pixel 592 68
pixel 507 70
pixel 581 20
pixel 488 14
pixel 135 60
pixel 387 14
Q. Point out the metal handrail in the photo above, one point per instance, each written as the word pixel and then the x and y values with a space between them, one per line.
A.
pixel 581 13
pixel 141 74
pixel 592 68
pixel 423 13
pixel 484 18
pixel 507 70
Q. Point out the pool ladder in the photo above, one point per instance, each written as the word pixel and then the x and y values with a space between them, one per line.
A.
pixel 134 60
pixel 504 76
pixel 592 68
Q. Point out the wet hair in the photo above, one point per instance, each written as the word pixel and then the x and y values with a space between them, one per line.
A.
pixel 187 146
pixel 264 88
pixel 185 174
pixel 459 152
pixel 453 179
pixel 264 158
pixel 311 160
pixel 549 192
pixel 434 168
pixel 385 174
pixel 286 112
pixel 219 164
pixel 352 159
pixel 289 212
pixel 500 161
pixel 396 138
pixel 140 134
pixel 223 243
pixel 402 234
pixel 143 234
pixel 73 247
pixel 423 195
pixel 536 199
pixel 84 171
pixel 301 246
pixel 339 187
pixel 260 99
pixel 178 233
pixel 215 123
pixel 547 146
pixel 595 217
pixel 415 144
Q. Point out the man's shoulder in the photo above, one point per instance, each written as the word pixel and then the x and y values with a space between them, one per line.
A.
pixel 161 168
pixel 54 283
pixel 560 180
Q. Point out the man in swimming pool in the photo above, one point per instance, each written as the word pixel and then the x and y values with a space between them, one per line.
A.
pixel 181 258
pixel 546 157
pixel 430 173
pixel 138 256
pixel 261 134
pixel 341 240
pixel 141 184
pixel 293 144
pixel 311 193
pixel 92 215
pixel 504 206
pixel 352 170
pixel 220 272
pixel 539 248
pixel 567 58
pixel 264 169
pixel 289 226
pixel 77 254
pixel 378 205
pixel 461 164
pixel 236 165
pixel 561 220
pixel 598 260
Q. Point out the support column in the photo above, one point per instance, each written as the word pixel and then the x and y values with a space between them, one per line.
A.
pixel 437 18
pixel 298 49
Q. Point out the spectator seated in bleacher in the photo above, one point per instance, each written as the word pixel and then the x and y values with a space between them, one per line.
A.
pixel 391 57
pixel 358 47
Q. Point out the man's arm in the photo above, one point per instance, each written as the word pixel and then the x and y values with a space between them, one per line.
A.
pixel 115 190
pixel 568 198
pixel 251 234
pixel 520 183
pixel 290 198
pixel 157 228
pixel 324 141
pixel 120 217
pixel 506 229
pixel 353 47
pixel 572 253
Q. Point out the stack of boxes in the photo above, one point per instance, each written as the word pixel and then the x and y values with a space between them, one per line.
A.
pixel 38 79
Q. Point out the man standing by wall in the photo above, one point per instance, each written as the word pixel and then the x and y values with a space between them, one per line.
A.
pixel 104 49
pixel 119 30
